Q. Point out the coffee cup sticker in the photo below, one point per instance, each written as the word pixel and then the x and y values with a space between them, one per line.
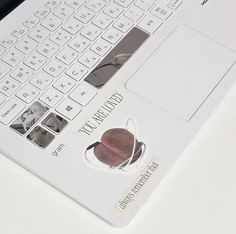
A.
pixel 117 149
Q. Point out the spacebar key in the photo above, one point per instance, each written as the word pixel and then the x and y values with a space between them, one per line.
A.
pixel 10 110
pixel 118 56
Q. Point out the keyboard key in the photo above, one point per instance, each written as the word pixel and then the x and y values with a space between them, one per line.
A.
pixel 48 49
pixel 84 15
pixel 96 5
pixel 83 94
pixel 61 37
pixel 2 99
pixel 41 137
pixel 10 110
pixel 67 56
pixel 41 80
pixel 26 45
pixel 8 42
pixel 123 24
pixel 51 97
pixel 161 11
pixel 26 120
pixel 39 34
pixel 145 5
pixel 112 35
pixel 150 23
pixel 13 57
pixel 76 4
pixel 102 21
pixel 91 32
pixel 113 10
pixel 28 93
pixel 73 26
pixel 89 59
pixel 54 123
pixel 19 32
pixel 63 12
pixel 54 68
pixel 134 13
pixel 77 71
pixel 116 58
pixel 8 86
pixel 2 51
pixel 123 3
pixel 42 12
pixel 35 61
pixel 51 4
pixel 79 44
pixel 101 47
pixel 69 109
pixel 174 4
pixel 22 73
pixel 64 84
pixel 4 69
pixel 31 22
pixel 51 23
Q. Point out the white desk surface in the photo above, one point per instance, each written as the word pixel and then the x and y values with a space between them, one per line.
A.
pixel 198 196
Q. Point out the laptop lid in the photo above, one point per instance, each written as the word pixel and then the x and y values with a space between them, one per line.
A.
pixel 6 6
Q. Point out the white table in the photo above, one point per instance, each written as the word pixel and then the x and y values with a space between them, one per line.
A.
pixel 198 196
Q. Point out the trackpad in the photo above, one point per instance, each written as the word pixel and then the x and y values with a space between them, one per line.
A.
pixel 182 72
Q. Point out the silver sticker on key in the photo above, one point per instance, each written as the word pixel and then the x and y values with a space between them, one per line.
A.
pixel 29 117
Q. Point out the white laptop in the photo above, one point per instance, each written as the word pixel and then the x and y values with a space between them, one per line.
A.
pixel 99 98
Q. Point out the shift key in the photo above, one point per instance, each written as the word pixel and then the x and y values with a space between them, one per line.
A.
pixel 10 110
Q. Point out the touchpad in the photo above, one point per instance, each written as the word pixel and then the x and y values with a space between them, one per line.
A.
pixel 182 72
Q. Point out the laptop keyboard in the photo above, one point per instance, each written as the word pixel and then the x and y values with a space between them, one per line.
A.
pixel 56 62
